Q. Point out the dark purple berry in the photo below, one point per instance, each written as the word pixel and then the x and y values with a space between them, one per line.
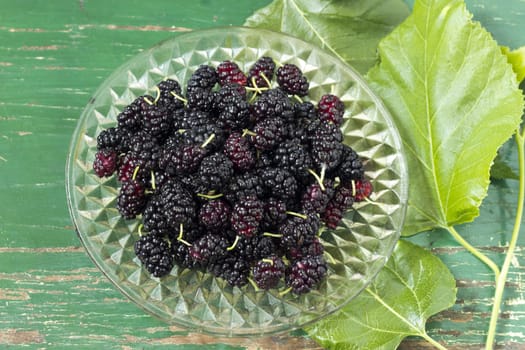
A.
pixel 240 152
pixel 297 231
pixel 274 213
pixel 316 198
pixel 205 77
pixel 279 183
pixel 351 166
pixel 291 79
pixel 105 162
pixel 229 72
pixel 273 103
pixel 268 133
pixel 214 215
pixel 155 254
pixel 109 138
pixel 215 172
pixel 246 216
pixel 268 272
pixel 181 160
pixel 306 273
pixel 131 199
pixel 263 66
pixel 363 189
pixel 331 109
pixel 208 249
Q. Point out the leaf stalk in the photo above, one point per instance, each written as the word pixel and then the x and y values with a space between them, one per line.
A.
pixel 502 278
pixel 485 259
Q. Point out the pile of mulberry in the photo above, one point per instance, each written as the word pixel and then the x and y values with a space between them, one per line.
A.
pixel 235 173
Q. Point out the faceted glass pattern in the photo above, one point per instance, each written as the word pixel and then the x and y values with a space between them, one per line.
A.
pixel 355 251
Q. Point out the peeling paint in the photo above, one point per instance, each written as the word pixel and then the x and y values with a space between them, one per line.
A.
pixel 9 294
pixel 144 28
pixel 14 336
pixel 38 48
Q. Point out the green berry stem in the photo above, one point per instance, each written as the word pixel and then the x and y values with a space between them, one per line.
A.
pixel 269 261
pixel 318 179
pixel 275 235
pixel 265 78
pixel 135 172
pixel 208 140
pixel 298 98
pixel 323 173
pixel 257 89
pixel 181 233
pixel 157 97
pixel 210 196
pixel 153 184
pixel 252 282
pixel 248 132
pixel 299 215
pixel 286 291
pixel 180 98
pixel 232 247
pixel 141 226
pixel 148 101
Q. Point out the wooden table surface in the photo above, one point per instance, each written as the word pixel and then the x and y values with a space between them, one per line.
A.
pixel 53 56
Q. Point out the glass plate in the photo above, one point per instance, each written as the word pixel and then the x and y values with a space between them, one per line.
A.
pixel 355 251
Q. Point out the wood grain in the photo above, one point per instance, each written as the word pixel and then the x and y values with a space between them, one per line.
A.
pixel 53 56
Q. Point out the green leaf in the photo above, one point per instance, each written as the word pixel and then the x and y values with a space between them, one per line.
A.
pixel 500 170
pixel 413 285
pixel 517 59
pixel 351 30
pixel 455 100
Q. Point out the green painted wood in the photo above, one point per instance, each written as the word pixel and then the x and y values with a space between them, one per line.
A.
pixel 53 56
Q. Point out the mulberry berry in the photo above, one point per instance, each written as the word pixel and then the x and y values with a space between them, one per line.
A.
pixel 215 215
pixel 246 216
pixel 291 80
pixel 205 77
pixel 109 138
pixel 215 172
pixel 331 109
pixel 273 103
pixel 274 213
pixel 155 254
pixel 363 189
pixel 243 185
pixel 181 160
pixel 279 183
pixel 240 152
pixel 268 272
pixel 228 72
pixel 208 249
pixel 263 68
pixel 294 157
pixel 105 162
pixel 298 231
pixel 234 269
pixel 306 273
pixel 268 133
pixel 351 166
pixel 131 199
pixel 169 90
